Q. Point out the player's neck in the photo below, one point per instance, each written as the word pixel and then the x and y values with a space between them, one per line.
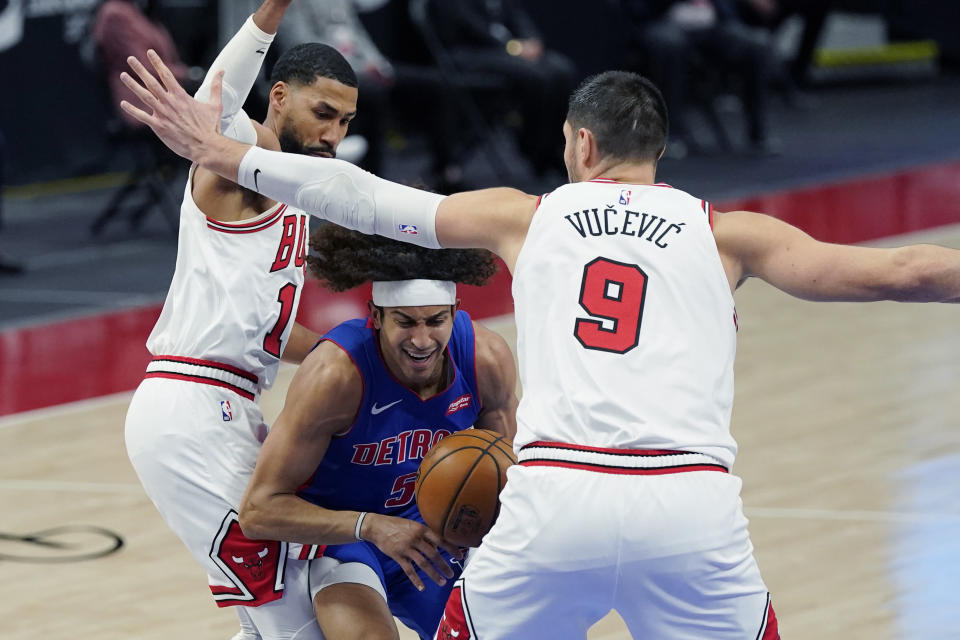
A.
pixel 628 172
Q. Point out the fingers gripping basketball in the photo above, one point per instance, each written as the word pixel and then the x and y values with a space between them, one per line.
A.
pixel 459 482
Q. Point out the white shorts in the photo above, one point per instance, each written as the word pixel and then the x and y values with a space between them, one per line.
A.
pixel 194 447
pixel 670 553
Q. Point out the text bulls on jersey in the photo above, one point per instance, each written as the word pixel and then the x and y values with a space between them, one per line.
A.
pixel 293 242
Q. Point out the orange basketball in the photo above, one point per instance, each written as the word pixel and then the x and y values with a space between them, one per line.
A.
pixel 459 482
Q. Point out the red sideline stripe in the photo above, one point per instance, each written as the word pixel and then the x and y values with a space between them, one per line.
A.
pixel 624 452
pixel 627 471
pixel 209 363
pixel 210 381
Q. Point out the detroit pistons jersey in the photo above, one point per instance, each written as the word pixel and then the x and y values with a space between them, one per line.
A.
pixel 625 320
pixel 373 465
pixel 235 291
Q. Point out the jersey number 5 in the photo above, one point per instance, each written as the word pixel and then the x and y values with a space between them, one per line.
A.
pixel 615 293
pixel 271 343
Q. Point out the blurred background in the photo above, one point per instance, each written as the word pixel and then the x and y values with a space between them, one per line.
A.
pixel 838 115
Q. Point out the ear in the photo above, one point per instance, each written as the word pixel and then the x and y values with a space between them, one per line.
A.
pixel 587 147
pixel 456 307
pixel 375 315
pixel 279 93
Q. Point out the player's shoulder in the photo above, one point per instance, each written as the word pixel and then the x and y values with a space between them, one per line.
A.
pixel 329 365
pixel 493 354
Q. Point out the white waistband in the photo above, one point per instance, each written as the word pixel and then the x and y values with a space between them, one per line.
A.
pixel 614 458
pixel 205 371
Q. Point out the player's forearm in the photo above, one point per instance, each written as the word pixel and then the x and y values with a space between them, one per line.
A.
pixel 240 60
pixel 293 519
pixel 927 273
pixel 270 14
pixel 299 344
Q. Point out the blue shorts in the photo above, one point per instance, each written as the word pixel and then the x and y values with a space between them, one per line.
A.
pixel 419 610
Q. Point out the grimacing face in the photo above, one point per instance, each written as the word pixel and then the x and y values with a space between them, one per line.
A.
pixel 313 119
pixel 413 341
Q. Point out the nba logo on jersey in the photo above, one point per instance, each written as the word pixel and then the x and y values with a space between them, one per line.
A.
pixel 226 410
pixel 625 196
pixel 409 228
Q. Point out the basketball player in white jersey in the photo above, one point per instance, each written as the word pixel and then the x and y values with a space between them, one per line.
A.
pixel 194 428
pixel 626 326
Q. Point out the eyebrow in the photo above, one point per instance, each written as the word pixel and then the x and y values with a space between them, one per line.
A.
pixel 403 316
pixel 329 108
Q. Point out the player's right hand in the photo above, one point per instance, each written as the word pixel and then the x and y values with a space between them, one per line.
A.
pixel 411 545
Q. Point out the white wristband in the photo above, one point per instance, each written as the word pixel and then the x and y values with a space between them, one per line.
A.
pixel 343 194
pixel 356 530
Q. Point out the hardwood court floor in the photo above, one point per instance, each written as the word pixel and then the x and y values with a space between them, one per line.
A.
pixel 847 418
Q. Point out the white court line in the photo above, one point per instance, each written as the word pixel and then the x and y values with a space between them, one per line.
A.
pixel 63 409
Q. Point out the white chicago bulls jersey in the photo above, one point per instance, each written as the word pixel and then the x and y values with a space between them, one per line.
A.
pixel 626 324
pixel 235 291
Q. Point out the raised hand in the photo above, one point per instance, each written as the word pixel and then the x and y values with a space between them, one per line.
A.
pixel 410 543
pixel 185 125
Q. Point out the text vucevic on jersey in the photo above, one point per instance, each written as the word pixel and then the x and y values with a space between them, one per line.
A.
pixel 613 222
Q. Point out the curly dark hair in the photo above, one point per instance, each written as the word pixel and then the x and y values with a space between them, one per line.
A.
pixel 342 259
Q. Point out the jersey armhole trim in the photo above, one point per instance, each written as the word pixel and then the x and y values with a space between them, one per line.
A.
pixel 363 387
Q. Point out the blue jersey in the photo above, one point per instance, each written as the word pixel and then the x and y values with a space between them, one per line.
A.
pixel 373 466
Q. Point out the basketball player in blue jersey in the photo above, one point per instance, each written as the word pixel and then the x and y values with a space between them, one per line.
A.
pixel 362 411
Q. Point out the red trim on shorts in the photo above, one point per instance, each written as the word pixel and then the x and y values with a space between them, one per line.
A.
pixel 628 471
pixel 769 630
pixel 213 382
pixel 209 363
pixel 311 551
pixel 622 452
pixel 455 622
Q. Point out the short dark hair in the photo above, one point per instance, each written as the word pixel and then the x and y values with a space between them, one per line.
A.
pixel 625 112
pixel 342 259
pixel 304 63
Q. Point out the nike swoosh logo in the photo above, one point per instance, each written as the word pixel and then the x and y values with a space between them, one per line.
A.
pixel 256 172
pixel 261 51
pixel 374 410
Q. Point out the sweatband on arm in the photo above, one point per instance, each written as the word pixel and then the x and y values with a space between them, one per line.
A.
pixel 343 194
pixel 240 61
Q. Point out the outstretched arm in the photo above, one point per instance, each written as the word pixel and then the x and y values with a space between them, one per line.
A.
pixel 494 219
pixel 240 60
pixel 756 245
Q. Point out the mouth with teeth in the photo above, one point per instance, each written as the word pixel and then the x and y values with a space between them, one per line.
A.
pixel 420 360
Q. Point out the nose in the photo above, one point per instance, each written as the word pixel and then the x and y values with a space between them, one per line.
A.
pixel 333 135
pixel 420 338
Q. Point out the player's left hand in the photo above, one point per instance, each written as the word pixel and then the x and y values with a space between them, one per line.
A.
pixel 181 122
pixel 411 545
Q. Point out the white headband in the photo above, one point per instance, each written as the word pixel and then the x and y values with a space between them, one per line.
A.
pixel 414 293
